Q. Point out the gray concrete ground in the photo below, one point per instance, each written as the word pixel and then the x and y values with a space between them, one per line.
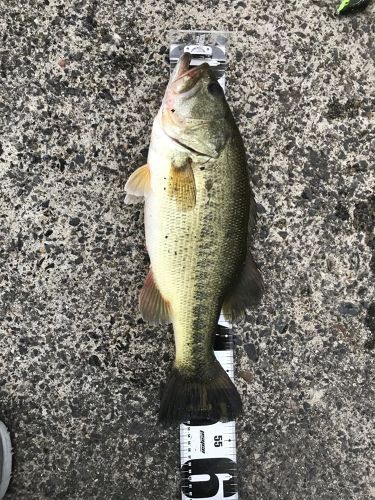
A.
pixel 79 370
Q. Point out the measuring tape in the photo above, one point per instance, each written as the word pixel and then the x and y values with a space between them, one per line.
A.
pixel 208 452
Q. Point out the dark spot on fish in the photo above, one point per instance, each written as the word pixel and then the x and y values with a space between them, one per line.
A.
pixel 209 184
pixel 172 110
pixel 175 253
pixel 166 237
pixel 202 168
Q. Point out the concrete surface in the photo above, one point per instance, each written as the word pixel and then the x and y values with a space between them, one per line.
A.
pixel 79 370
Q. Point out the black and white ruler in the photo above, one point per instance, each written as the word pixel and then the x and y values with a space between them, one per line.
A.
pixel 208 452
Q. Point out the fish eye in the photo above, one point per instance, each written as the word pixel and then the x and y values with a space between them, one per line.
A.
pixel 214 88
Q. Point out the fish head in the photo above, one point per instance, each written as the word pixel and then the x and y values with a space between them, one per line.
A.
pixel 194 112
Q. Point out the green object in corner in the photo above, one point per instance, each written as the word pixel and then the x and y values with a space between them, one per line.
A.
pixel 348 6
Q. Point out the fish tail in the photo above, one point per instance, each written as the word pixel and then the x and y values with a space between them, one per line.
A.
pixel 208 397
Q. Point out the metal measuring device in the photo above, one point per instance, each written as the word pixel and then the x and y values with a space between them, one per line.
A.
pixel 208 464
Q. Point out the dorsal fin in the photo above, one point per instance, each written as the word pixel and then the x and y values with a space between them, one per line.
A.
pixel 246 291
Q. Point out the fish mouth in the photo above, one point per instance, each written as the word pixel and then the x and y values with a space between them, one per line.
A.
pixel 184 70
pixel 185 79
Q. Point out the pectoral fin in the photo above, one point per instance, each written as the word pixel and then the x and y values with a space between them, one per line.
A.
pixel 181 186
pixel 246 291
pixel 154 308
pixel 138 184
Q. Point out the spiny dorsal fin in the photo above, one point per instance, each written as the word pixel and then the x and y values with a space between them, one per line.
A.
pixel 138 184
pixel 154 309
pixel 181 186
pixel 246 291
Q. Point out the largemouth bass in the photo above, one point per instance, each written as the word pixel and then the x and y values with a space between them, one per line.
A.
pixel 199 210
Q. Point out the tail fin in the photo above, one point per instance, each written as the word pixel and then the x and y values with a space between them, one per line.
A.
pixel 198 397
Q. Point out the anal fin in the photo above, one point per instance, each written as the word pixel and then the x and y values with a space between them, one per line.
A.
pixel 154 308
pixel 138 184
pixel 246 291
